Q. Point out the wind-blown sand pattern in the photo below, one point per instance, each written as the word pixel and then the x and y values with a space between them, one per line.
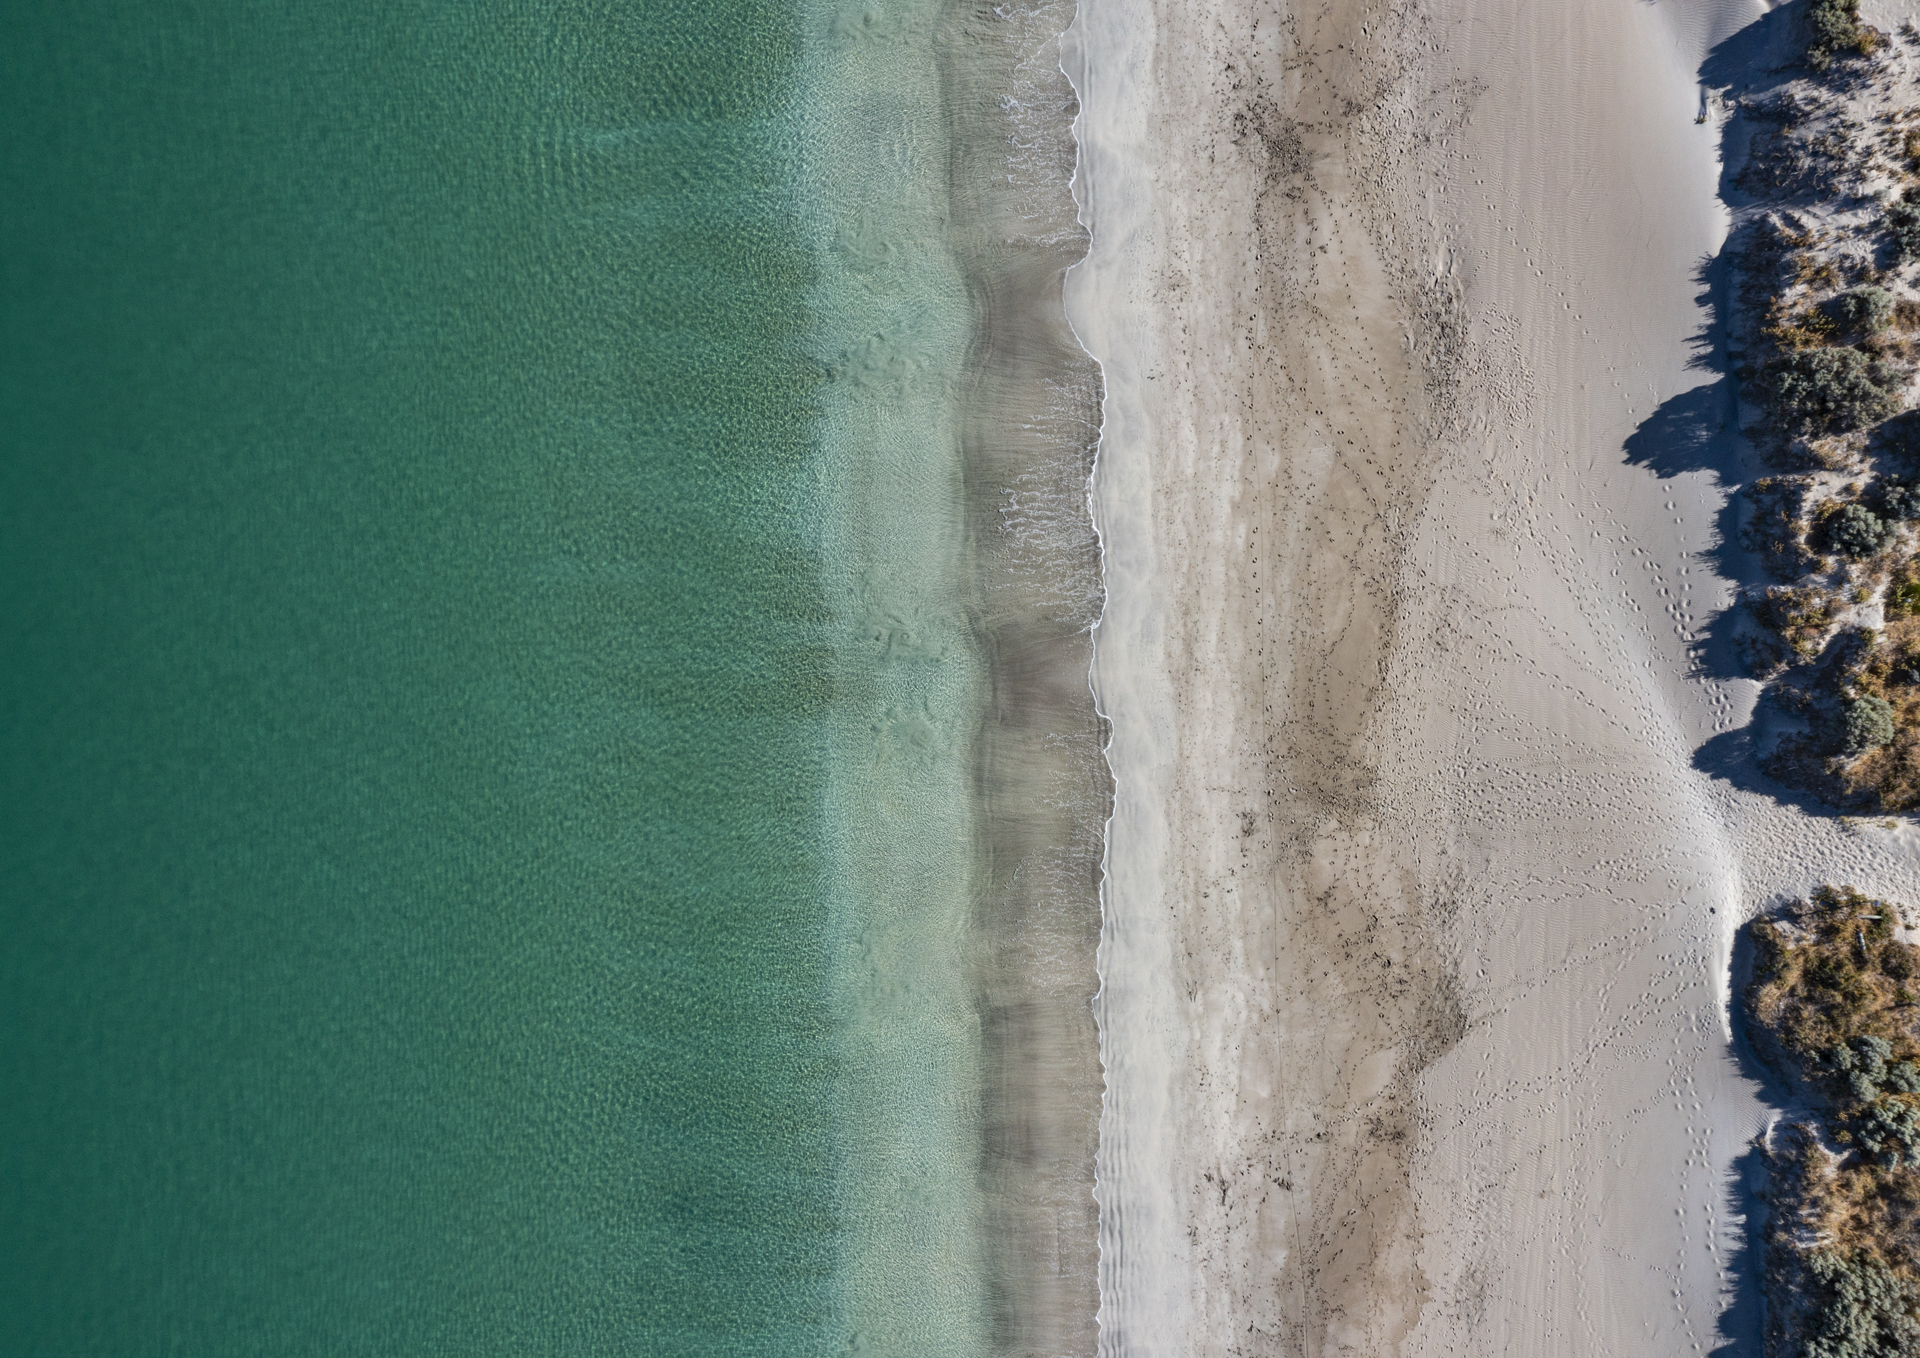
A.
pixel 1422 871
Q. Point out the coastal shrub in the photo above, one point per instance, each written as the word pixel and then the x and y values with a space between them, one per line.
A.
pixel 1866 309
pixel 1809 329
pixel 1858 531
pixel 1833 26
pixel 1844 991
pixel 1890 1130
pixel 1901 223
pixel 1836 904
pixel 1869 724
pixel 1830 390
pixel 1848 1221
pixel 1830 972
pixel 1867 1312
pixel 1769 950
pixel 1863 1058
pixel 1800 615
pixel 1899 500
pixel 1899 437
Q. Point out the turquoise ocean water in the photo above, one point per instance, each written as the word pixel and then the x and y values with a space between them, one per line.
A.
pixel 486 853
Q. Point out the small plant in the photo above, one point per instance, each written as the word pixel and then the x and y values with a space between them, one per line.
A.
pixel 1889 1129
pixel 1838 984
pixel 1869 724
pixel 1858 531
pixel 1863 1061
pixel 1898 500
pixel 1800 615
pixel 1809 329
pixel 1833 26
pixel 1868 310
pixel 1902 225
pixel 1830 391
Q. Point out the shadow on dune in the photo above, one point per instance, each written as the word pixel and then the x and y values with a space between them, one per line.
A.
pixel 1764 48
pixel 1694 433
pixel 1691 432
pixel 1698 433
pixel 1742 1324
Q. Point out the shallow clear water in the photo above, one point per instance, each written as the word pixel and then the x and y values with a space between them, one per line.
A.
pixel 486 855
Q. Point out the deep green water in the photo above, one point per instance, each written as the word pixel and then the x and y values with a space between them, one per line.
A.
pixel 484 845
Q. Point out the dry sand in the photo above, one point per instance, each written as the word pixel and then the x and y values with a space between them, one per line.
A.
pixel 1418 908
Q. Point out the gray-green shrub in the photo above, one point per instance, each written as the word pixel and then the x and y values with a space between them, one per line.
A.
pixel 1858 531
pixel 1899 500
pixel 1869 723
pixel 1833 26
pixel 1864 1063
pixel 1868 1310
pixel 1830 390
pixel 1902 225
pixel 1866 309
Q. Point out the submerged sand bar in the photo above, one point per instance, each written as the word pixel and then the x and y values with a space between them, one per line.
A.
pixel 1418 902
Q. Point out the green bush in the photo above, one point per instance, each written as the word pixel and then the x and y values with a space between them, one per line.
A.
pixel 1868 1310
pixel 1863 1062
pixel 1869 723
pixel 1902 225
pixel 1833 26
pixel 1890 1130
pixel 1898 500
pixel 1865 309
pixel 1865 1056
pixel 1858 531
pixel 1830 390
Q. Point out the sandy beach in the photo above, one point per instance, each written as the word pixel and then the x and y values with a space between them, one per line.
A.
pixel 1412 486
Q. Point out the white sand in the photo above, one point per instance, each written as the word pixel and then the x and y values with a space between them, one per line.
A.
pixel 1418 909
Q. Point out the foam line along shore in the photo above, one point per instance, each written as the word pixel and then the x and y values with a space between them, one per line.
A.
pixel 970 789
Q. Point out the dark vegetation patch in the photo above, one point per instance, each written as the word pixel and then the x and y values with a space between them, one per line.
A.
pixel 1829 389
pixel 1831 1007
